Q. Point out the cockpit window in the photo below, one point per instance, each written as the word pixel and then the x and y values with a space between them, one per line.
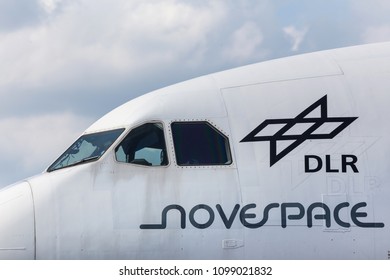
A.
pixel 199 143
pixel 89 147
pixel 144 145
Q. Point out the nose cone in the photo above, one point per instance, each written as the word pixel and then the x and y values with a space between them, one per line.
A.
pixel 17 237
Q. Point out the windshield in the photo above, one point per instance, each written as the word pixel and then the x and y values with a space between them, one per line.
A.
pixel 89 147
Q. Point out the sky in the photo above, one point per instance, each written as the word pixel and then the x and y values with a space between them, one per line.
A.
pixel 65 63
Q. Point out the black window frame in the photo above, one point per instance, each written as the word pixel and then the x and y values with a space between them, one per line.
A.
pixel 96 154
pixel 226 149
pixel 143 162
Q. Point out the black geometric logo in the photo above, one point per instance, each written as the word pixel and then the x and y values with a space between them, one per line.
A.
pixel 313 123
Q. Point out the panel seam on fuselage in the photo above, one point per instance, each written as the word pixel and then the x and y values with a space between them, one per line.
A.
pixel 34 219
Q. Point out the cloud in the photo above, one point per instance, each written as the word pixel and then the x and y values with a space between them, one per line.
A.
pixel 296 36
pixel 245 43
pixel 90 52
pixel 49 5
pixel 374 34
pixel 371 20
pixel 99 35
pixel 18 14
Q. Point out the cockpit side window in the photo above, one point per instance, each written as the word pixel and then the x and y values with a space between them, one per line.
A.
pixel 144 145
pixel 199 143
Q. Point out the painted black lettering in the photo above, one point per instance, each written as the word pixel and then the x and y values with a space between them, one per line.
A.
pixel 349 160
pixel 355 215
pixel 307 164
pixel 228 222
pixel 336 214
pixel 325 216
pixel 244 216
pixel 328 165
pixel 291 217
pixel 164 218
pixel 206 224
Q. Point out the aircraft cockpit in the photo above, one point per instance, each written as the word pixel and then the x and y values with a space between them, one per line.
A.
pixel 195 143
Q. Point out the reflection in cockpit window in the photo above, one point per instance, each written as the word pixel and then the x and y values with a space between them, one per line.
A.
pixel 145 145
pixel 89 147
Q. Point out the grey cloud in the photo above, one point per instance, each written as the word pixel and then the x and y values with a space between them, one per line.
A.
pixel 15 14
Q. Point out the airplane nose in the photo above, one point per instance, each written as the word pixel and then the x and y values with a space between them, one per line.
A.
pixel 17 234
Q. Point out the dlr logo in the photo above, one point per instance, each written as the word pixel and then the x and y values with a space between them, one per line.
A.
pixel 315 163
